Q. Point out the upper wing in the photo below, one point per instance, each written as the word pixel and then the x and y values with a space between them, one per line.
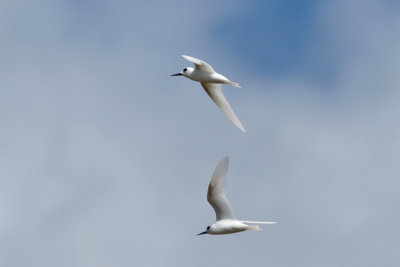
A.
pixel 215 92
pixel 216 192
pixel 199 64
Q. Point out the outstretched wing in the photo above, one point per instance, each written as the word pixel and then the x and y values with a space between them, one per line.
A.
pixel 199 64
pixel 216 192
pixel 215 92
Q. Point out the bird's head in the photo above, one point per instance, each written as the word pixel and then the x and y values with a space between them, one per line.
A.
pixel 185 72
pixel 206 231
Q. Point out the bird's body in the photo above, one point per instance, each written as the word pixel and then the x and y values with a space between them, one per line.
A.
pixel 230 226
pixel 211 81
pixel 226 222
pixel 207 77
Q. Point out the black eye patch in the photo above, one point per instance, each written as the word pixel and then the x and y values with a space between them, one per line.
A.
pixel 185 69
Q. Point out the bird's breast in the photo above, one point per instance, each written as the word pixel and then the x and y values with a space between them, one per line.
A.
pixel 207 77
pixel 227 227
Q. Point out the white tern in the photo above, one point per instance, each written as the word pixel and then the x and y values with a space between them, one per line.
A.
pixel 226 222
pixel 212 82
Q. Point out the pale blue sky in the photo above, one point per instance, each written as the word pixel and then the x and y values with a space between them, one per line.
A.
pixel 105 159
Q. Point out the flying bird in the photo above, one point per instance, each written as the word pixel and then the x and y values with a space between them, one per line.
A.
pixel 212 82
pixel 226 222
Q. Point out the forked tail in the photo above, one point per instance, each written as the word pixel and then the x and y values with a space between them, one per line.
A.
pixel 259 222
pixel 234 84
pixel 254 227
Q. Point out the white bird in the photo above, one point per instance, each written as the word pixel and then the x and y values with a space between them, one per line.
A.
pixel 226 222
pixel 211 82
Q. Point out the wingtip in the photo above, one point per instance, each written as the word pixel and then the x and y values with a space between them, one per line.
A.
pixel 237 123
pixel 222 167
pixel 240 126
pixel 224 161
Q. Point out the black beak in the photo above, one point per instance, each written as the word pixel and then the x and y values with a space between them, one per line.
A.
pixel 202 233
pixel 178 74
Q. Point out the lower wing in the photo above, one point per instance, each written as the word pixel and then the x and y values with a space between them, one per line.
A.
pixel 215 92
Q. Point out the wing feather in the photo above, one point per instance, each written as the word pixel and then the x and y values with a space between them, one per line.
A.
pixel 216 192
pixel 215 92
pixel 199 64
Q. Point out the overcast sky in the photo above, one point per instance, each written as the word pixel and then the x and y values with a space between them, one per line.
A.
pixel 105 159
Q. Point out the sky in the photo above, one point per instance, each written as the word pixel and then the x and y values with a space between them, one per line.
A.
pixel 105 159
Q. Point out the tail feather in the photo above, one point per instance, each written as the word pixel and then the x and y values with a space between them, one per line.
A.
pixel 234 84
pixel 254 227
pixel 259 222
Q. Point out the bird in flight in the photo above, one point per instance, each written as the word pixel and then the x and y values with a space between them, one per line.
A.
pixel 212 82
pixel 226 222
